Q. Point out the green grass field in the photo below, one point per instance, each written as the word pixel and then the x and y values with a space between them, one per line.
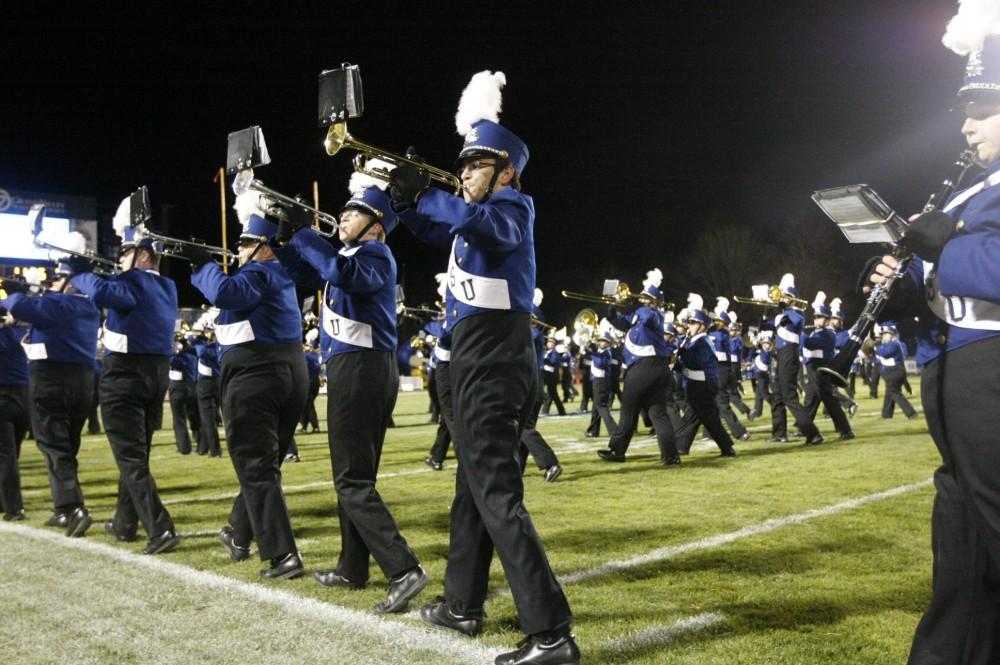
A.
pixel 755 559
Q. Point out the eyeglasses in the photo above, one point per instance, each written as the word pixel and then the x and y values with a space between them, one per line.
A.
pixel 474 165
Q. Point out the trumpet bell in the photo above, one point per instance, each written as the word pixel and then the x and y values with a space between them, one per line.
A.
pixel 336 138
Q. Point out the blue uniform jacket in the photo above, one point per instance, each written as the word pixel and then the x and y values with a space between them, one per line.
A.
pixel 184 365
pixel 698 360
pixel 258 304
pixel 820 345
pixel 891 354
pixel 208 360
pixel 63 326
pixel 600 366
pixel 492 262
pixel 142 309
pixel 313 364
pixel 13 362
pixel 720 343
pixel 645 334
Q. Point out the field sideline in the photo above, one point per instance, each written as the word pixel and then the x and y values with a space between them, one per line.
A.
pixel 784 554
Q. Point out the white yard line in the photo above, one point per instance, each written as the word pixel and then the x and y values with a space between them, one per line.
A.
pixel 662 634
pixel 396 633
pixel 664 553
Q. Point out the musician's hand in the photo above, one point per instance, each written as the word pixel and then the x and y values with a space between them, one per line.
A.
pixel 878 270
pixel 198 256
pixel 927 234
pixel 79 265
pixel 407 183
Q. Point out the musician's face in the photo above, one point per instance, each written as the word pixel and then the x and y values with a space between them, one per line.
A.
pixel 476 175
pixel 125 259
pixel 982 131
pixel 352 222
pixel 245 251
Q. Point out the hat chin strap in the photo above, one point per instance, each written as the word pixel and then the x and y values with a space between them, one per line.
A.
pixel 260 243
pixel 497 168
pixel 361 234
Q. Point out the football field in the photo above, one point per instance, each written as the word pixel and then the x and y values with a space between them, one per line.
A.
pixel 783 554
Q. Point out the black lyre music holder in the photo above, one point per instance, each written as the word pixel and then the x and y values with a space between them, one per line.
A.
pixel 246 149
pixel 340 94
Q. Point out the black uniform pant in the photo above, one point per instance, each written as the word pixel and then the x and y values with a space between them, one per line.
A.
pixel 184 410
pixel 531 439
pixel 762 393
pixel 207 390
pixel 442 386
pixel 787 396
pixel 61 395
pixel 703 409
pixel 733 389
pixel 263 392
pixel 724 397
pixel 874 373
pixel 960 393
pixel 93 419
pixel 820 389
pixel 602 410
pixel 894 377
pixel 309 416
pixel 363 390
pixel 132 389
pixel 551 380
pixel 493 371
pixel 587 393
pixel 13 427
pixel 648 383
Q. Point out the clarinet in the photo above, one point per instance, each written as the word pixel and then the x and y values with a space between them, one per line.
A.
pixel 879 296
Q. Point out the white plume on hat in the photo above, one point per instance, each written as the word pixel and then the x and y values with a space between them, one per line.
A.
pixel 787 282
pixel 835 305
pixel 695 301
pixel 537 299
pixel 359 182
pixel 249 203
pixel 481 100
pixel 732 317
pixel 312 336
pixel 75 242
pixel 819 300
pixel 721 305
pixel 668 317
pixel 559 335
pixel 123 217
pixel 654 277
pixel 604 326
pixel 683 315
pixel 975 20
pixel 442 280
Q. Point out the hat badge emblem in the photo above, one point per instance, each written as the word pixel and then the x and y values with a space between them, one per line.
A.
pixel 975 66
pixel 472 136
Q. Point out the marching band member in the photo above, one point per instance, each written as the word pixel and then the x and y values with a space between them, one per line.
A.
pixel 648 380
pixel 60 345
pixel 263 386
pixel 14 415
pixel 359 315
pixel 837 324
pixel 957 274
pixel 718 335
pixel 551 363
pixel 491 280
pixel 313 363
pixel 700 366
pixel 818 349
pixel 788 330
pixel 441 359
pixel 183 399
pixel 890 355
pixel 138 340
pixel 761 361
pixel 600 371
pixel 207 387
pixel 737 354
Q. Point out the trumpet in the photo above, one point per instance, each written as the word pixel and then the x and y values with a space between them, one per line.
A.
pixel 535 321
pixel 174 247
pixel 338 138
pixel 622 295
pixel 245 182
pixel 102 265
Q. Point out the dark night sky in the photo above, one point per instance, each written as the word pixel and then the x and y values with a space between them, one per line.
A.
pixel 647 124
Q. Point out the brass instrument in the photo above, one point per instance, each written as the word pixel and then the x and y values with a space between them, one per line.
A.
pixel 102 265
pixel 174 247
pixel 535 321
pixel 245 182
pixel 585 326
pixel 338 138
pixel 774 298
pixel 622 295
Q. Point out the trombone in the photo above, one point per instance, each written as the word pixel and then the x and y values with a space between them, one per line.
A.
pixel 535 321
pixel 337 138
pixel 622 295
pixel 773 299
pixel 244 182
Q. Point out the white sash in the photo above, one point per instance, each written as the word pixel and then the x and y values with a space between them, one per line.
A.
pixel 345 330
pixel 788 335
pixel 176 375
pixel 34 350
pixel 759 364
pixel 444 355
pixel 694 374
pixel 887 362
pixel 229 334
pixel 597 372
pixel 960 311
pixel 116 342
pixel 485 292
pixel 203 369
pixel 812 353
pixel 639 349
pixel 972 191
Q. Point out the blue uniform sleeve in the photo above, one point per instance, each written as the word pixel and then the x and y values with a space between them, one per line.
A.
pixel 970 264
pixel 363 271
pixel 435 235
pixel 240 291
pixel 114 293
pixel 298 269
pixel 38 311
pixel 500 224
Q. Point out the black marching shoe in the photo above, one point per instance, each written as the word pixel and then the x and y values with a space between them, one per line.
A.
pixel 778 439
pixel 120 536
pixel 228 539
pixel 16 516
pixel 552 473
pixel 852 409
pixel 590 435
pixel 670 461
pixel 814 440
pixel 285 567
pixel 438 614
pixel 727 452
pixel 78 522
pixel 162 543
pixel 751 416
pixel 533 650
pixel 745 436
pixel 433 463
pixel 847 436
pixel 57 520
pixel 332 578
pixel 610 456
pixel 402 589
